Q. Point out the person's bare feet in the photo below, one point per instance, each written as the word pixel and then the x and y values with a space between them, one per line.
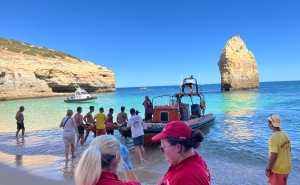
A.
pixel 142 161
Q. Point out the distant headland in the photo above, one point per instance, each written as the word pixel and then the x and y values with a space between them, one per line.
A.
pixel 27 71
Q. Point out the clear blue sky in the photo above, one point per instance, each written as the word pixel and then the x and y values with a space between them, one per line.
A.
pixel 154 42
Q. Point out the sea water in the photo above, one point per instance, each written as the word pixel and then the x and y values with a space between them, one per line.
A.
pixel 235 146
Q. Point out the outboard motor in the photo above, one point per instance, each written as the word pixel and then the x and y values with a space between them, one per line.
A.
pixel 195 109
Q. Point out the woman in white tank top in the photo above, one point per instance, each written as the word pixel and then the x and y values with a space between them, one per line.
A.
pixel 69 126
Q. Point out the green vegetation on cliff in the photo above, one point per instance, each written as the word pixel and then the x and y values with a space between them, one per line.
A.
pixel 28 49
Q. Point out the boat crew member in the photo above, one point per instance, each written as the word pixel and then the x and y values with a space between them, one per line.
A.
pixel 179 105
pixel 89 121
pixel 148 109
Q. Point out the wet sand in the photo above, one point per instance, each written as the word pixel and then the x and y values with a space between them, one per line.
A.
pixel 14 176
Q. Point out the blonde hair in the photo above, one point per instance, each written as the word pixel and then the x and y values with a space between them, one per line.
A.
pixel 98 155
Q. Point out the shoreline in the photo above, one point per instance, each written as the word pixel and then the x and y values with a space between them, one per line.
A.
pixel 13 176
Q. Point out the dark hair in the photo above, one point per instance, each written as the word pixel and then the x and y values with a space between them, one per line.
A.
pixel 22 107
pixel 132 111
pixel 122 108
pixel 101 109
pixel 91 107
pixel 193 142
pixel 79 109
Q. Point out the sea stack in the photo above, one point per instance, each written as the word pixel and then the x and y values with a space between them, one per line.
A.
pixel 237 66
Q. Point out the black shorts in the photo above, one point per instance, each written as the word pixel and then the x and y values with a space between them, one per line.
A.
pixel 110 132
pixel 148 116
pixel 80 129
pixel 20 125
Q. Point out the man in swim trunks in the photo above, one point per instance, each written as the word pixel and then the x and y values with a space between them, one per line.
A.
pixel 79 123
pixel 122 118
pixel 20 121
pixel 110 119
pixel 89 120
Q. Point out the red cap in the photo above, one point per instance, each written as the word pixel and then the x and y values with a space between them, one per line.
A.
pixel 175 129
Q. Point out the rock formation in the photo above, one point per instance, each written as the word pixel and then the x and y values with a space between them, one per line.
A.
pixel 237 66
pixel 27 76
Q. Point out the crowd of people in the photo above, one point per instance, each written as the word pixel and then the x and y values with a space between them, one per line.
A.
pixel 99 162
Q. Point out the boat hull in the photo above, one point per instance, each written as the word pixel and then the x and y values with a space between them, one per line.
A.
pixel 89 99
pixel 155 128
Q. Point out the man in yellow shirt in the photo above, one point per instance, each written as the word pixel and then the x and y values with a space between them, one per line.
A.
pixel 100 122
pixel 279 165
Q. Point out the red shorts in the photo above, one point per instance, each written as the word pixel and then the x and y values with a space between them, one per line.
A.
pixel 100 132
pixel 278 179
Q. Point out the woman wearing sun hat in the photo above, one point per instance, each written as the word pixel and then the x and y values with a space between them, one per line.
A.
pixel 178 143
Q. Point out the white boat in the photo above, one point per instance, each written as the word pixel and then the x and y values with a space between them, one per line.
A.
pixel 81 95
pixel 143 88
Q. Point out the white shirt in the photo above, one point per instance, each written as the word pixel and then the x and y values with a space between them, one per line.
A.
pixel 135 122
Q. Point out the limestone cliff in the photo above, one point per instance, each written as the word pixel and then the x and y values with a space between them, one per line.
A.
pixel 237 66
pixel 32 76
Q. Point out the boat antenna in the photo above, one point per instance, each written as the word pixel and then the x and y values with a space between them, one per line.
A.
pixel 180 83
pixel 200 84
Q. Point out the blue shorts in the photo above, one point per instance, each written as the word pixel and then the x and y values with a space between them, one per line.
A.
pixel 137 141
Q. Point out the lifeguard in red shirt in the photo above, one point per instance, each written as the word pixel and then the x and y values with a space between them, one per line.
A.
pixel 178 142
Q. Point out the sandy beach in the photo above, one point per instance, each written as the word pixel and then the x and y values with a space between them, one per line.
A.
pixel 14 176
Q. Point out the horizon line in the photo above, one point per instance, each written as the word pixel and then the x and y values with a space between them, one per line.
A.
pixel 203 84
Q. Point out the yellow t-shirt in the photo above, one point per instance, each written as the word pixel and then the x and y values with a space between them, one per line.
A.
pixel 100 120
pixel 279 143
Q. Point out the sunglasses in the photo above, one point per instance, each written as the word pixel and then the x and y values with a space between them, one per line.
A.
pixel 271 118
pixel 162 147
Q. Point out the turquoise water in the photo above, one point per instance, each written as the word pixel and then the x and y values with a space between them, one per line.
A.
pixel 235 145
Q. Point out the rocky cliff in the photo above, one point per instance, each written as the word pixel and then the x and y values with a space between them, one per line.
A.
pixel 33 75
pixel 237 66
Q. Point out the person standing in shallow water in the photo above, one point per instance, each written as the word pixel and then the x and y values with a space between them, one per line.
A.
pixel 100 122
pixel 122 116
pixel 135 122
pixel 69 126
pixel 178 143
pixel 279 165
pixel 110 119
pixel 79 123
pixel 20 121
pixel 89 121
